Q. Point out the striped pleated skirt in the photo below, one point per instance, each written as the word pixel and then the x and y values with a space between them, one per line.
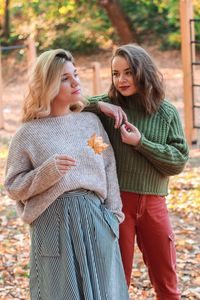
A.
pixel 75 253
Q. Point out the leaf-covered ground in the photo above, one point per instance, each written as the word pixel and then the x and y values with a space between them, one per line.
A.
pixel 184 207
pixel 183 200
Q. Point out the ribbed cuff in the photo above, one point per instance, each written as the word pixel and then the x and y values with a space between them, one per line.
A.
pixel 93 107
pixel 140 143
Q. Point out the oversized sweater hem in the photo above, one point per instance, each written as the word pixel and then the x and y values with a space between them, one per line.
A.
pixel 144 192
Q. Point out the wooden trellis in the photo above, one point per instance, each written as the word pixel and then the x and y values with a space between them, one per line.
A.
pixel 187 34
pixel 1 97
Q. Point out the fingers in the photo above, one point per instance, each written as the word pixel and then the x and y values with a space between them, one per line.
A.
pixel 126 128
pixel 130 134
pixel 125 119
pixel 65 158
pixel 129 125
pixel 64 163
pixel 113 111
pixel 120 117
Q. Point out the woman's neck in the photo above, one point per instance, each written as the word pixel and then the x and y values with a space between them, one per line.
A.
pixel 59 111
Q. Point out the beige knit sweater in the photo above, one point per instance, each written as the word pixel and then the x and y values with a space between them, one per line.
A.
pixel 32 177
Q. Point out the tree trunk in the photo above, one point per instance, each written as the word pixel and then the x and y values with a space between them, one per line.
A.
pixel 6 27
pixel 119 20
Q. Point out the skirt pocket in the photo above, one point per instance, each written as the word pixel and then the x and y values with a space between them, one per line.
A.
pixel 111 220
pixel 45 233
pixel 108 217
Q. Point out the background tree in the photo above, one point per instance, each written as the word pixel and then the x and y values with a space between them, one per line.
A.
pixel 6 25
pixel 86 26
pixel 119 19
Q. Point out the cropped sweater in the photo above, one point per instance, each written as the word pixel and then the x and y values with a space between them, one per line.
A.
pixel 32 177
pixel 162 151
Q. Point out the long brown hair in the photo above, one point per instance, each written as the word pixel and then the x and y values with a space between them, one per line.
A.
pixel 146 75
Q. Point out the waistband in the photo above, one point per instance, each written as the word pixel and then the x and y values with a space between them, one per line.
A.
pixel 78 192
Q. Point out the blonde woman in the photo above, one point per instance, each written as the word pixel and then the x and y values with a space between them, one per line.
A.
pixel 66 189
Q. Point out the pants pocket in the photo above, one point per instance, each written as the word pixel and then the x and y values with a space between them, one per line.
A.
pixel 172 250
pixel 45 233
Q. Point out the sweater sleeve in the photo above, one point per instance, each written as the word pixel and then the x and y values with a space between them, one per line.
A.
pixel 22 181
pixel 113 200
pixel 93 106
pixel 170 158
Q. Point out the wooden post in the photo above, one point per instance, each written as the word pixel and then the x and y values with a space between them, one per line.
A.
pixel 186 14
pixel 96 78
pixel 1 96
pixel 31 53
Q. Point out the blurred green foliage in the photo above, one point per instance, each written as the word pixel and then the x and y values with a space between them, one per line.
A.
pixel 155 20
pixel 83 26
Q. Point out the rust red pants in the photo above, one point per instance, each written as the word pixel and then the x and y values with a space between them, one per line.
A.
pixel 146 217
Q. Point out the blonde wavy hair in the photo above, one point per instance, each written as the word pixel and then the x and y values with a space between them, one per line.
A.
pixel 44 84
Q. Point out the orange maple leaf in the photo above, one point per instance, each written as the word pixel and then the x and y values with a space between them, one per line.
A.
pixel 97 144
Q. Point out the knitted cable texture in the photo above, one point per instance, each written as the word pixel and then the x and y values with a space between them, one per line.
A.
pixel 162 151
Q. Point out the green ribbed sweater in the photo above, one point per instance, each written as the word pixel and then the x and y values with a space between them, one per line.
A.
pixel 162 152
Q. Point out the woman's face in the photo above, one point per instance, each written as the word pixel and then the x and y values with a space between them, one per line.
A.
pixel 122 77
pixel 70 90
